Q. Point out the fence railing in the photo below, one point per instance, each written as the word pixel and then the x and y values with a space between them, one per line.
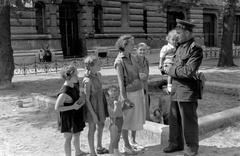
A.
pixel 213 52
pixel 56 66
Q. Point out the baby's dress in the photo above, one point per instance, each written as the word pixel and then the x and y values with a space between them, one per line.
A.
pixel 168 53
pixel 71 120
pixel 96 97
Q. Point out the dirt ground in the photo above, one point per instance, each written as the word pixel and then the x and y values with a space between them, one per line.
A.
pixel 32 131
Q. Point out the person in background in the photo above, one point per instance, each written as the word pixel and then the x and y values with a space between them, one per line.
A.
pixel 160 114
pixel 115 109
pixel 143 63
pixel 183 119
pixel 95 113
pixel 69 104
pixel 131 89
pixel 167 54
pixel 47 52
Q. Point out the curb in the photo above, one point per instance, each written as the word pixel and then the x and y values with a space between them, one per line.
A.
pixel 217 120
pixel 206 123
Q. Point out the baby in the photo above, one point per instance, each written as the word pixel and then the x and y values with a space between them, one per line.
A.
pixel 167 54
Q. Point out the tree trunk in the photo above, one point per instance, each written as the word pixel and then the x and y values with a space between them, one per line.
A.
pixel 6 52
pixel 226 52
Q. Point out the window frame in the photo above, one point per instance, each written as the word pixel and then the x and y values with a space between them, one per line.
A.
pixel 42 17
pixel 125 20
pixel 172 24
pixel 236 34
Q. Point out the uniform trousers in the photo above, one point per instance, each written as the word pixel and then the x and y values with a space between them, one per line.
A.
pixel 183 126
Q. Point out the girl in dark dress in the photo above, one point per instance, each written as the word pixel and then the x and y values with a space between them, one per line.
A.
pixel 69 103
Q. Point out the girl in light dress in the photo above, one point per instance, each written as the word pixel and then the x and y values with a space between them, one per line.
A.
pixel 95 113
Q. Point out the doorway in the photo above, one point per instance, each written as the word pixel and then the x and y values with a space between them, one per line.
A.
pixel 68 17
pixel 171 19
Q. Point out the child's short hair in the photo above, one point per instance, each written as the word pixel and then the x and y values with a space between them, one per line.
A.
pixel 171 33
pixel 90 61
pixel 68 71
pixel 112 88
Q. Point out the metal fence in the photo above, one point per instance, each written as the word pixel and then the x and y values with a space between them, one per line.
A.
pixel 56 66
pixel 213 52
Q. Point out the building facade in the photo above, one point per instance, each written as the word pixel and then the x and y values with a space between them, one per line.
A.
pixel 74 28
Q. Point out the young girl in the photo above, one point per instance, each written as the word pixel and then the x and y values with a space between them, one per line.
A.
pixel 70 107
pixel 115 110
pixel 95 115
pixel 167 53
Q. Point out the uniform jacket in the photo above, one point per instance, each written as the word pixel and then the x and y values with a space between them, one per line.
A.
pixel 187 61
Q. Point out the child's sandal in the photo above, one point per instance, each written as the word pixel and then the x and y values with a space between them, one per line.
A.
pixel 102 151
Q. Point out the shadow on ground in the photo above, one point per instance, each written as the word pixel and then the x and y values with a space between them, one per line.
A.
pixel 157 150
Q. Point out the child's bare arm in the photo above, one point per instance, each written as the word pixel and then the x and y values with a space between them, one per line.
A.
pixel 160 63
pixel 111 110
pixel 61 108
pixel 162 56
pixel 89 105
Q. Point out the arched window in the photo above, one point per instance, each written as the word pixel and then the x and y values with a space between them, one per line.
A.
pixel 98 19
pixel 40 17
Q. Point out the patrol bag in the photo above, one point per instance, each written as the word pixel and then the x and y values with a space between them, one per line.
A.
pixel 200 77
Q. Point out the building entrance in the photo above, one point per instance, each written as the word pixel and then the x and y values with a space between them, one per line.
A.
pixel 68 17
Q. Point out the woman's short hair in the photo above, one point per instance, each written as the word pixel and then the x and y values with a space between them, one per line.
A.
pixel 142 44
pixel 122 41
pixel 90 61
pixel 68 71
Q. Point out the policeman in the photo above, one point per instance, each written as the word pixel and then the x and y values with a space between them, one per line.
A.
pixel 183 119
